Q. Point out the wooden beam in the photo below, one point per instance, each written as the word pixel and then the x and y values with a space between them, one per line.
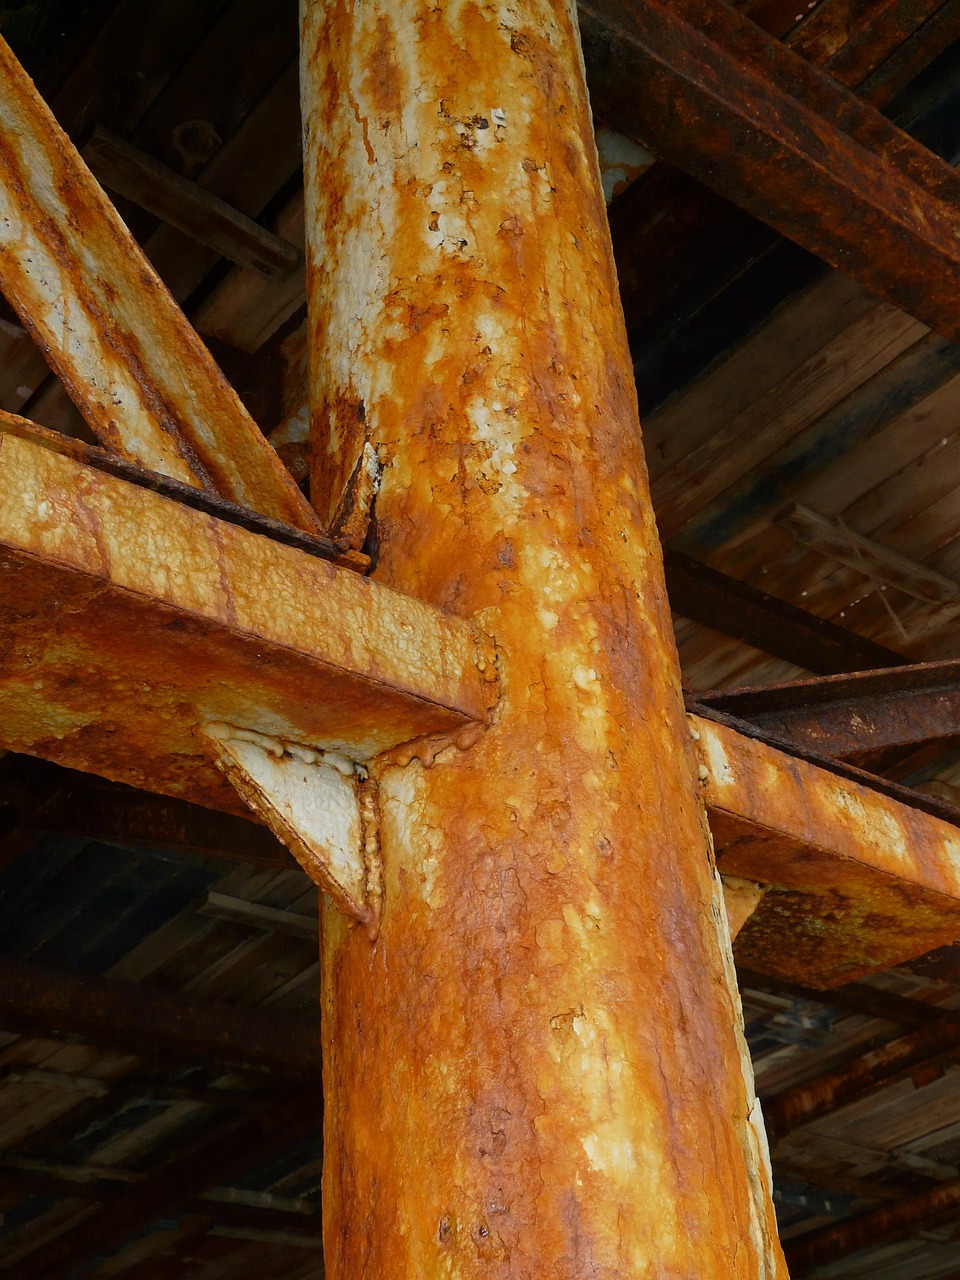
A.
pixel 151 1023
pixel 851 715
pixel 859 881
pixel 736 609
pixel 130 172
pixel 881 566
pixel 711 92
pixel 142 378
pixel 130 619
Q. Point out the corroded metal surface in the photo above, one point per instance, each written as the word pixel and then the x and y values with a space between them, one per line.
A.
pixel 852 714
pixel 859 881
pixel 547 1020
pixel 711 92
pixel 741 899
pixel 123 349
pixel 128 619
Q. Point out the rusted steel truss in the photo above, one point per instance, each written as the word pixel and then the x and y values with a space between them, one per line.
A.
pixel 852 715
pixel 121 346
pixel 129 620
pixel 532 813
pixel 860 881
pixel 711 92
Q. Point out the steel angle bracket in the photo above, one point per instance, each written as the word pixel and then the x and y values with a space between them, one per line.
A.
pixel 319 804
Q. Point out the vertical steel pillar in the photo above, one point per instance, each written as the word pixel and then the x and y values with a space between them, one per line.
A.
pixel 538 1068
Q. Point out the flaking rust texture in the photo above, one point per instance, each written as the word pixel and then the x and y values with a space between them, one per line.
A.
pixel 538 1068
pixel 128 620
pixel 99 312
pixel 859 881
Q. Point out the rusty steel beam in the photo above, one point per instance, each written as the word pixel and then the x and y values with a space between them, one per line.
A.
pixel 847 716
pixel 740 611
pixel 130 619
pixel 711 92
pixel 859 881
pixel 150 1023
pixel 36 797
pixel 866 1075
pixel 889 1222
pixel 855 997
pixel 133 365
pixel 114 814
pixel 547 1019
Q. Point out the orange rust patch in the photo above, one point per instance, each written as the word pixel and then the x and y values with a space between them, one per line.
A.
pixel 127 619
pixel 116 339
pixel 548 1018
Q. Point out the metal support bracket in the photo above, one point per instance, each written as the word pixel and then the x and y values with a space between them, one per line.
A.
pixel 319 804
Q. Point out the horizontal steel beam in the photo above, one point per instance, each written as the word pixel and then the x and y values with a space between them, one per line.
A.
pixel 711 92
pixel 850 715
pixel 740 611
pixel 129 619
pixel 138 372
pixel 858 880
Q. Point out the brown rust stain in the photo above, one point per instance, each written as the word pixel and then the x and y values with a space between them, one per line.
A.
pixel 113 334
pixel 547 1021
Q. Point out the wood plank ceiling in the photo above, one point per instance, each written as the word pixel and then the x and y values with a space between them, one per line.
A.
pixel 158 1005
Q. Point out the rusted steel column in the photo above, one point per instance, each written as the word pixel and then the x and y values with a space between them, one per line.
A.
pixel 538 1068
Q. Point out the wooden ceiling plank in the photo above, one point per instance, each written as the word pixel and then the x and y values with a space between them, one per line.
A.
pixel 905 383
pixel 786 142
pixel 177 1185
pixel 836 370
pixel 144 380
